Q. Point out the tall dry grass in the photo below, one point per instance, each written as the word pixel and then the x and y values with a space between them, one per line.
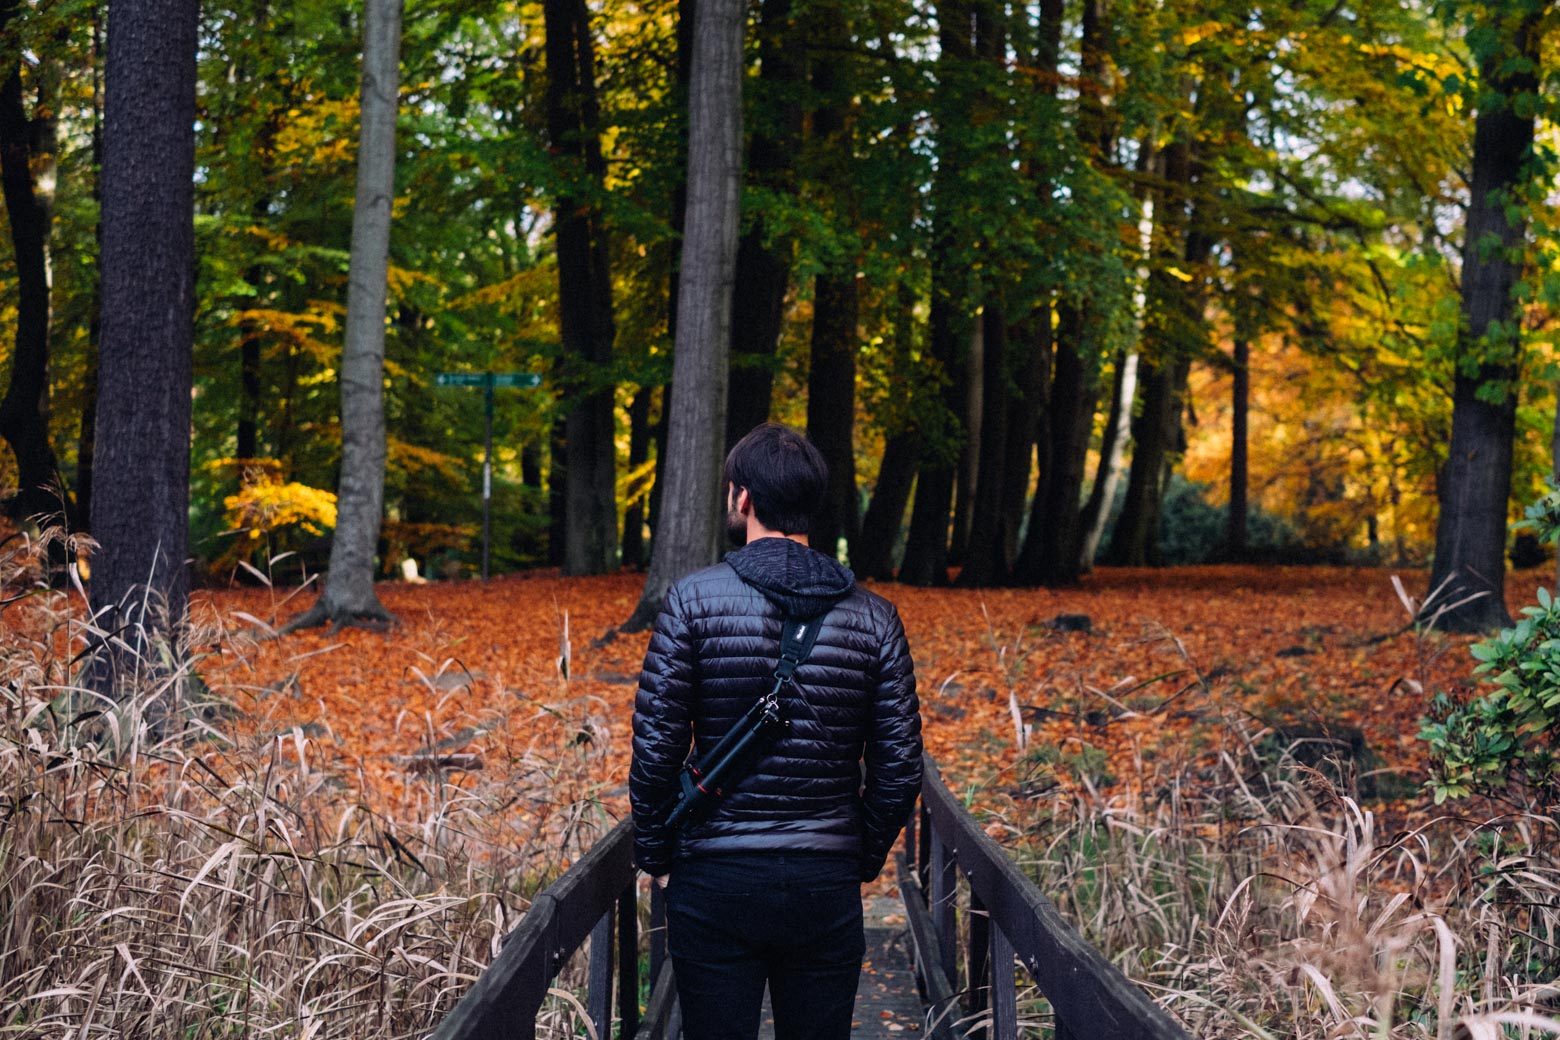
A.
pixel 1255 898
pixel 162 874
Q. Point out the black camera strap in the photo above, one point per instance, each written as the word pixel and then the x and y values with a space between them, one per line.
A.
pixel 703 782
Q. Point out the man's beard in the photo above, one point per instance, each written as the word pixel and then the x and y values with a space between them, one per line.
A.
pixel 736 528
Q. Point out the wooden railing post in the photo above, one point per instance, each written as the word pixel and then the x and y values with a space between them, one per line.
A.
pixel 977 995
pixel 944 922
pixel 598 992
pixel 628 959
pixel 1004 994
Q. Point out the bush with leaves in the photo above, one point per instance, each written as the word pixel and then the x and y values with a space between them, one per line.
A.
pixel 1503 738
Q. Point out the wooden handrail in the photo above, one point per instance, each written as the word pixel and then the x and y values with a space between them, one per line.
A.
pixel 1009 916
pixel 598 891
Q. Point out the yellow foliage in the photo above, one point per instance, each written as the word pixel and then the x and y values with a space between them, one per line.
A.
pixel 266 504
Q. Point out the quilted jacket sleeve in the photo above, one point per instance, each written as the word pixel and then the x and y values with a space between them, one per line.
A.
pixel 663 731
pixel 893 750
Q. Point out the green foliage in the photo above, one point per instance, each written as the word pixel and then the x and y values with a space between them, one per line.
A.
pixel 1503 735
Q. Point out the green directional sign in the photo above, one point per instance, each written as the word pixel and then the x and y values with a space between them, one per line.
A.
pixel 516 379
pixel 487 381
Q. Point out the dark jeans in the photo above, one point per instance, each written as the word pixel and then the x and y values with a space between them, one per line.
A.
pixel 791 919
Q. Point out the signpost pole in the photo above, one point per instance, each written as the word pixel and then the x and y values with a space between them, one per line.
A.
pixel 487 468
pixel 487 381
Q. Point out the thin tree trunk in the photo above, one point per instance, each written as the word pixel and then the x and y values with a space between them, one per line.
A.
pixel 1235 532
pixel 764 258
pixel 638 454
pixel 1051 551
pixel 140 584
pixel 986 561
pixel 691 523
pixel 24 423
pixel 973 412
pixel 584 293
pixel 86 443
pixel 1475 486
pixel 872 554
pixel 831 405
pixel 1102 495
pixel 831 378
pixel 349 597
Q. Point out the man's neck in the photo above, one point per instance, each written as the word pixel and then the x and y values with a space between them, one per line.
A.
pixel 757 530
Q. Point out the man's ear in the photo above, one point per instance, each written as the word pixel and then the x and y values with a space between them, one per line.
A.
pixel 744 501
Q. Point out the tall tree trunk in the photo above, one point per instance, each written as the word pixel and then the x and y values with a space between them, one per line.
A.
pixel 691 521
pixel 24 412
pixel 1177 331
pixel 140 506
pixel 1113 445
pixel 926 544
pixel 986 561
pixel 872 554
pixel 584 292
pixel 1475 486
pixel 1052 547
pixel 86 441
pixel 349 597
pixel 557 493
pixel 948 325
pixel 1235 529
pixel 1135 541
pixel 831 405
pixel 831 377
pixel 764 258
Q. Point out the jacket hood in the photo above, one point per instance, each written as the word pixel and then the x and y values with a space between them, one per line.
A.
pixel 802 582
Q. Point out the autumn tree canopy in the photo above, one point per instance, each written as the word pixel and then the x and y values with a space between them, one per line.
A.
pixel 1050 284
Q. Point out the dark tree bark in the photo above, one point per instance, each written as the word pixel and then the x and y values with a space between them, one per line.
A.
pixel 690 525
pixel 1177 330
pixel 831 406
pixel 1469 573
pixel 973 413
pixel 986 562
pixel 349 596
pixel 764 258
pixel 1053 543
pixel 86 443
pixel 872 554
pixel 831 377
pixel 926 545
pixel 584 291
pixel 41 495
pixel 1051 551
pixel 557 494
pixel 1135 540
pixel 1235 530
pixel 140 504
pixel 1026 404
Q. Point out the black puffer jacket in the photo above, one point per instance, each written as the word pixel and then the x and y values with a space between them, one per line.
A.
pixel 714 652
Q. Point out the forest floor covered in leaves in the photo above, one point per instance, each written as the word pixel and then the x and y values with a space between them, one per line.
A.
pixel 1149 746
pixel 474 679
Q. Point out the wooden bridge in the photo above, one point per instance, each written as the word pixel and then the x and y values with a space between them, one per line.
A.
pixel 922 977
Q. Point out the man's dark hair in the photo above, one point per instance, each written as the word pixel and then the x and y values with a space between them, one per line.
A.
pixel 784 475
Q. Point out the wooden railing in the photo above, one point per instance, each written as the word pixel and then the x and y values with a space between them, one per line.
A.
pixel 596 897
pixel 1007 916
